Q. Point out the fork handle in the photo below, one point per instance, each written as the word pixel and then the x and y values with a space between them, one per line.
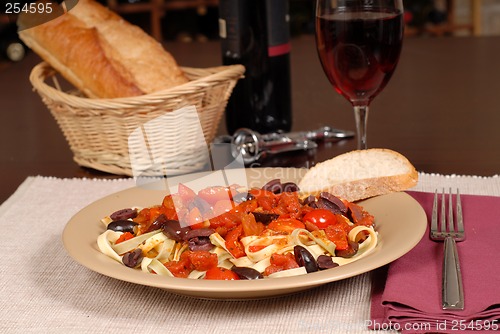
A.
pixel 453 291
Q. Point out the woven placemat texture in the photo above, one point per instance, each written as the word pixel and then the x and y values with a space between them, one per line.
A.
pixel 43 290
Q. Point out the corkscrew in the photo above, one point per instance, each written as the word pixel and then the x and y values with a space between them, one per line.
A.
pixel 253 146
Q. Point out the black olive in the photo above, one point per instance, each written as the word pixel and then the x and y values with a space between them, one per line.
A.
pixel 199 232
pixel 200 244
pixel 246 273
pixel 326 262
pixel 305 259
pixel 290 187
pixel 173 230
pixel 133 258
pixel 122 226
pixel 124 214
pixel 160 221
pixel 309 200
pixel 199 239
pixel 264 217
pixel 273 186
pixel 335 202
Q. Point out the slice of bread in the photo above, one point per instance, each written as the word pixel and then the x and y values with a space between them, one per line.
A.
pixel 361 174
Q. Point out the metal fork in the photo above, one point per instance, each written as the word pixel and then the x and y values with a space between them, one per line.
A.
pixel 452 288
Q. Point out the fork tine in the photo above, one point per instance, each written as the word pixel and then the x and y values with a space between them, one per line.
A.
pixel 451 225
pixel 443 213
pixel 460 218
pixel 434 218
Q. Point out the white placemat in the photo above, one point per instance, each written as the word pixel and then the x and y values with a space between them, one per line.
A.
pixel 43 290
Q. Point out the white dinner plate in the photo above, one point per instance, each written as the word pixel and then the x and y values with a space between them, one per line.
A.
pixel 400 221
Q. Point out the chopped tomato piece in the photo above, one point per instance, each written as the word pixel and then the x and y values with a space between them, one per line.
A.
pixel 286 225
pixel 233 244
pixel 265 199
pixel 218 273
pixel 125 236
pixel 222 230
pixel 203 260
pixel 214 194
pixel 147 217
pixel 246 207
pixel 289 204
pixel 181 268
pixel 223 206
pixel 142 217
pixel 168 202
pixel 228 220
pixel 170 214
pixel 186 193
pixel 337 233
pixel 154 213
pixel 194 219
pixel 281 262
pixel 250 226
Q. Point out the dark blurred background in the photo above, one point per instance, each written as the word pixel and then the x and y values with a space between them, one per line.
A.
pixel 197 20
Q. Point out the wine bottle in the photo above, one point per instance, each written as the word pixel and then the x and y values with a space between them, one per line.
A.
pixel 256 34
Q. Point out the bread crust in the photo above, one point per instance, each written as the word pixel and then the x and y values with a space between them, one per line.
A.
pixel 103 55
pixel 358 189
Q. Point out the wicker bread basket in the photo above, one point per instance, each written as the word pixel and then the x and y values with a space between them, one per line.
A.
pixel 98 130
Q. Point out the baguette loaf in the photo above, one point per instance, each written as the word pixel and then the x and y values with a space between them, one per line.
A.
pixel 361 174
pixel 103 55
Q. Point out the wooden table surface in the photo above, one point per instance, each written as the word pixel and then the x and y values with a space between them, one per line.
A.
pixel 440 110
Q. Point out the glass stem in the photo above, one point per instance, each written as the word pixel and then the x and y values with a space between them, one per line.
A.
pixel 361 117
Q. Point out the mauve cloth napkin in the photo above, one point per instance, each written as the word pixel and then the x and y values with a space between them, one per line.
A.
pixel 410 301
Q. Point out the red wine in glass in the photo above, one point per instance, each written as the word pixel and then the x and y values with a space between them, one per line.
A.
pixel 359 49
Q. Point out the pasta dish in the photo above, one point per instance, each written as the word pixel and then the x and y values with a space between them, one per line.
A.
pixel 232 233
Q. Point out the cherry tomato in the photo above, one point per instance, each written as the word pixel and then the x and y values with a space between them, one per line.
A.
pixel 286 225
pixel 221 274
pixel 321 218
pixel 214 194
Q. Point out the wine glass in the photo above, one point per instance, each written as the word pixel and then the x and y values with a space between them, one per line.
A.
pixel 359 43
